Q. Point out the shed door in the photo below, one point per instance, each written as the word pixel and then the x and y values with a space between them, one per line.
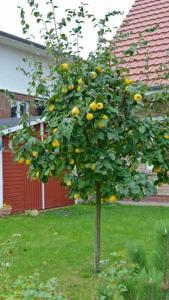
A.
pixel 56 195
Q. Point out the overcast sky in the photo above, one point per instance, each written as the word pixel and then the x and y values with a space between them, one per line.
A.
pixel 10 20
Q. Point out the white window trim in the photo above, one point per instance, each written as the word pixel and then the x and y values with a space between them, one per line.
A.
pixel 18 107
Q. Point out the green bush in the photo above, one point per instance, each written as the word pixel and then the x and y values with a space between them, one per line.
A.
pixel 24 287
pixel 31 288
pixel 130 276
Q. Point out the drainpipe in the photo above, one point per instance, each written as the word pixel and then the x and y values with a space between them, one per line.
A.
pixel 42 184
pixel 1 172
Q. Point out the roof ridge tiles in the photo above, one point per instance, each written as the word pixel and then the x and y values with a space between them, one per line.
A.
pixel 140 5
pixel 134 15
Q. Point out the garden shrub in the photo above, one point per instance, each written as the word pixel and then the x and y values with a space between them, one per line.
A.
pixel 130 276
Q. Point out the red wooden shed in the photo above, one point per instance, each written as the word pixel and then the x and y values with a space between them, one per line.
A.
pixel 20 191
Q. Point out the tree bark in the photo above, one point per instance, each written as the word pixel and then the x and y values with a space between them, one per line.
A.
pixel 97 230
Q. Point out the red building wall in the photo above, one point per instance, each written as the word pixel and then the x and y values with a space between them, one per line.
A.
pixel 23 193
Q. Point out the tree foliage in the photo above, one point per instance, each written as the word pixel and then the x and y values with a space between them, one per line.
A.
pixel 95 131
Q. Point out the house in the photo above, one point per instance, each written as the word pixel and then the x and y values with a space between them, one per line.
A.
pixel 13 51
pixel 143 43
pixel 15 186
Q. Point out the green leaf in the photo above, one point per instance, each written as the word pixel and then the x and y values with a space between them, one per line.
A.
pixel 112 156
pixel 142 129
pixel 66 127
pixel 50 14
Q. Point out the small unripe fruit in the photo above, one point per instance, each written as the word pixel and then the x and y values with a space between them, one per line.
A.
pixel 100 106
pixel 75 111
pixel 37 174
pixel 89 116
pixel 70 87
pixel 93 167
pixel 80 81
pixel 77 150
pixel 166 136
pixel 55 130
pixel 68 183
pixel 99 69
pixel 76 196
pixel 93 106
pixel 157 170
pixel 71 161
pixel 79 88
pixel 55 144
pixel 137 97
pixel 64 90
pixel 101 124
pixel 105 117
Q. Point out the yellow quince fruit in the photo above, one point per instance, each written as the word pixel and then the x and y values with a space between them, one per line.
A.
pixel 93 106
pixel 77 150
pixel 21 160
pixel 137 97
pixel 55 144
pixel 89 116
pixel 68 183
pixel 71 161
pixel 93 75
pixel 128 81
pixel 65 66
pixel 100 106
pixel 35 153
pixel 75 111
pixel 113 199
pixel 27 162
pixel 51 107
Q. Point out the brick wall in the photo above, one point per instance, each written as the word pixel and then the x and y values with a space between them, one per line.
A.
pixel 5 107
pixel 5 111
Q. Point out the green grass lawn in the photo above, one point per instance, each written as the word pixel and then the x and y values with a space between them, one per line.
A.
pixel 60 242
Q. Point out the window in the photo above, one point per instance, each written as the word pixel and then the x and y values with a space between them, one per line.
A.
pixel 18 108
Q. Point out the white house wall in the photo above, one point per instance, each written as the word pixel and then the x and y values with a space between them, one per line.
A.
pixel 11 58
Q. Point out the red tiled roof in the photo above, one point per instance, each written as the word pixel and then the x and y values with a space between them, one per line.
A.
pixel 142 17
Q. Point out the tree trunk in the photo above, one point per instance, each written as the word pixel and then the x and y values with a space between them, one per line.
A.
pixel 97 230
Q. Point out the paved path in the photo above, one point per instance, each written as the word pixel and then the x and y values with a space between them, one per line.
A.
pixel 143 203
